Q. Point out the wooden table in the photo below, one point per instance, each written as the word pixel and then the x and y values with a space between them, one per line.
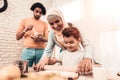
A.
pixel 89 76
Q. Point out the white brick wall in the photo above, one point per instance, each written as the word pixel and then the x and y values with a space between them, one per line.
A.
pixel 10 48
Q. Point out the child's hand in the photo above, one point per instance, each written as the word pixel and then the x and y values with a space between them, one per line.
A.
pixel 85 65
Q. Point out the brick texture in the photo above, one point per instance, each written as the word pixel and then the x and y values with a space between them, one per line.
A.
pixel 10 48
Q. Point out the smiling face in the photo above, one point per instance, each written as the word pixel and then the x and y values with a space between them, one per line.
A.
pixel 55 22
pixel 72 38
pixel 71 43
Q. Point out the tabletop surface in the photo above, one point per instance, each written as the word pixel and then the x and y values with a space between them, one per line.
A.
pixel 89 76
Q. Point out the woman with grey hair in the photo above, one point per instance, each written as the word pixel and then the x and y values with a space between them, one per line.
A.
pixel 57 24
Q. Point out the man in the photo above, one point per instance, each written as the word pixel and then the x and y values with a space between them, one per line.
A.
pixel 34 32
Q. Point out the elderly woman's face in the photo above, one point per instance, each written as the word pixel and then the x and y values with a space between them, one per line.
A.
pixel 55 22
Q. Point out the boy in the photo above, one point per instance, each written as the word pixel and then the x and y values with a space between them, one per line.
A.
pixel 74 53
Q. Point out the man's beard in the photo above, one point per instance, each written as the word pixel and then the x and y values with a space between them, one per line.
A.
pixel 37 17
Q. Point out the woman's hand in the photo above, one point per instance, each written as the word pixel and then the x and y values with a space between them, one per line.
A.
pixel 41 64
pixel 85 66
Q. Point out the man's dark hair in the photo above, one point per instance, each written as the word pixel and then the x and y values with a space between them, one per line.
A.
pixel 39 5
